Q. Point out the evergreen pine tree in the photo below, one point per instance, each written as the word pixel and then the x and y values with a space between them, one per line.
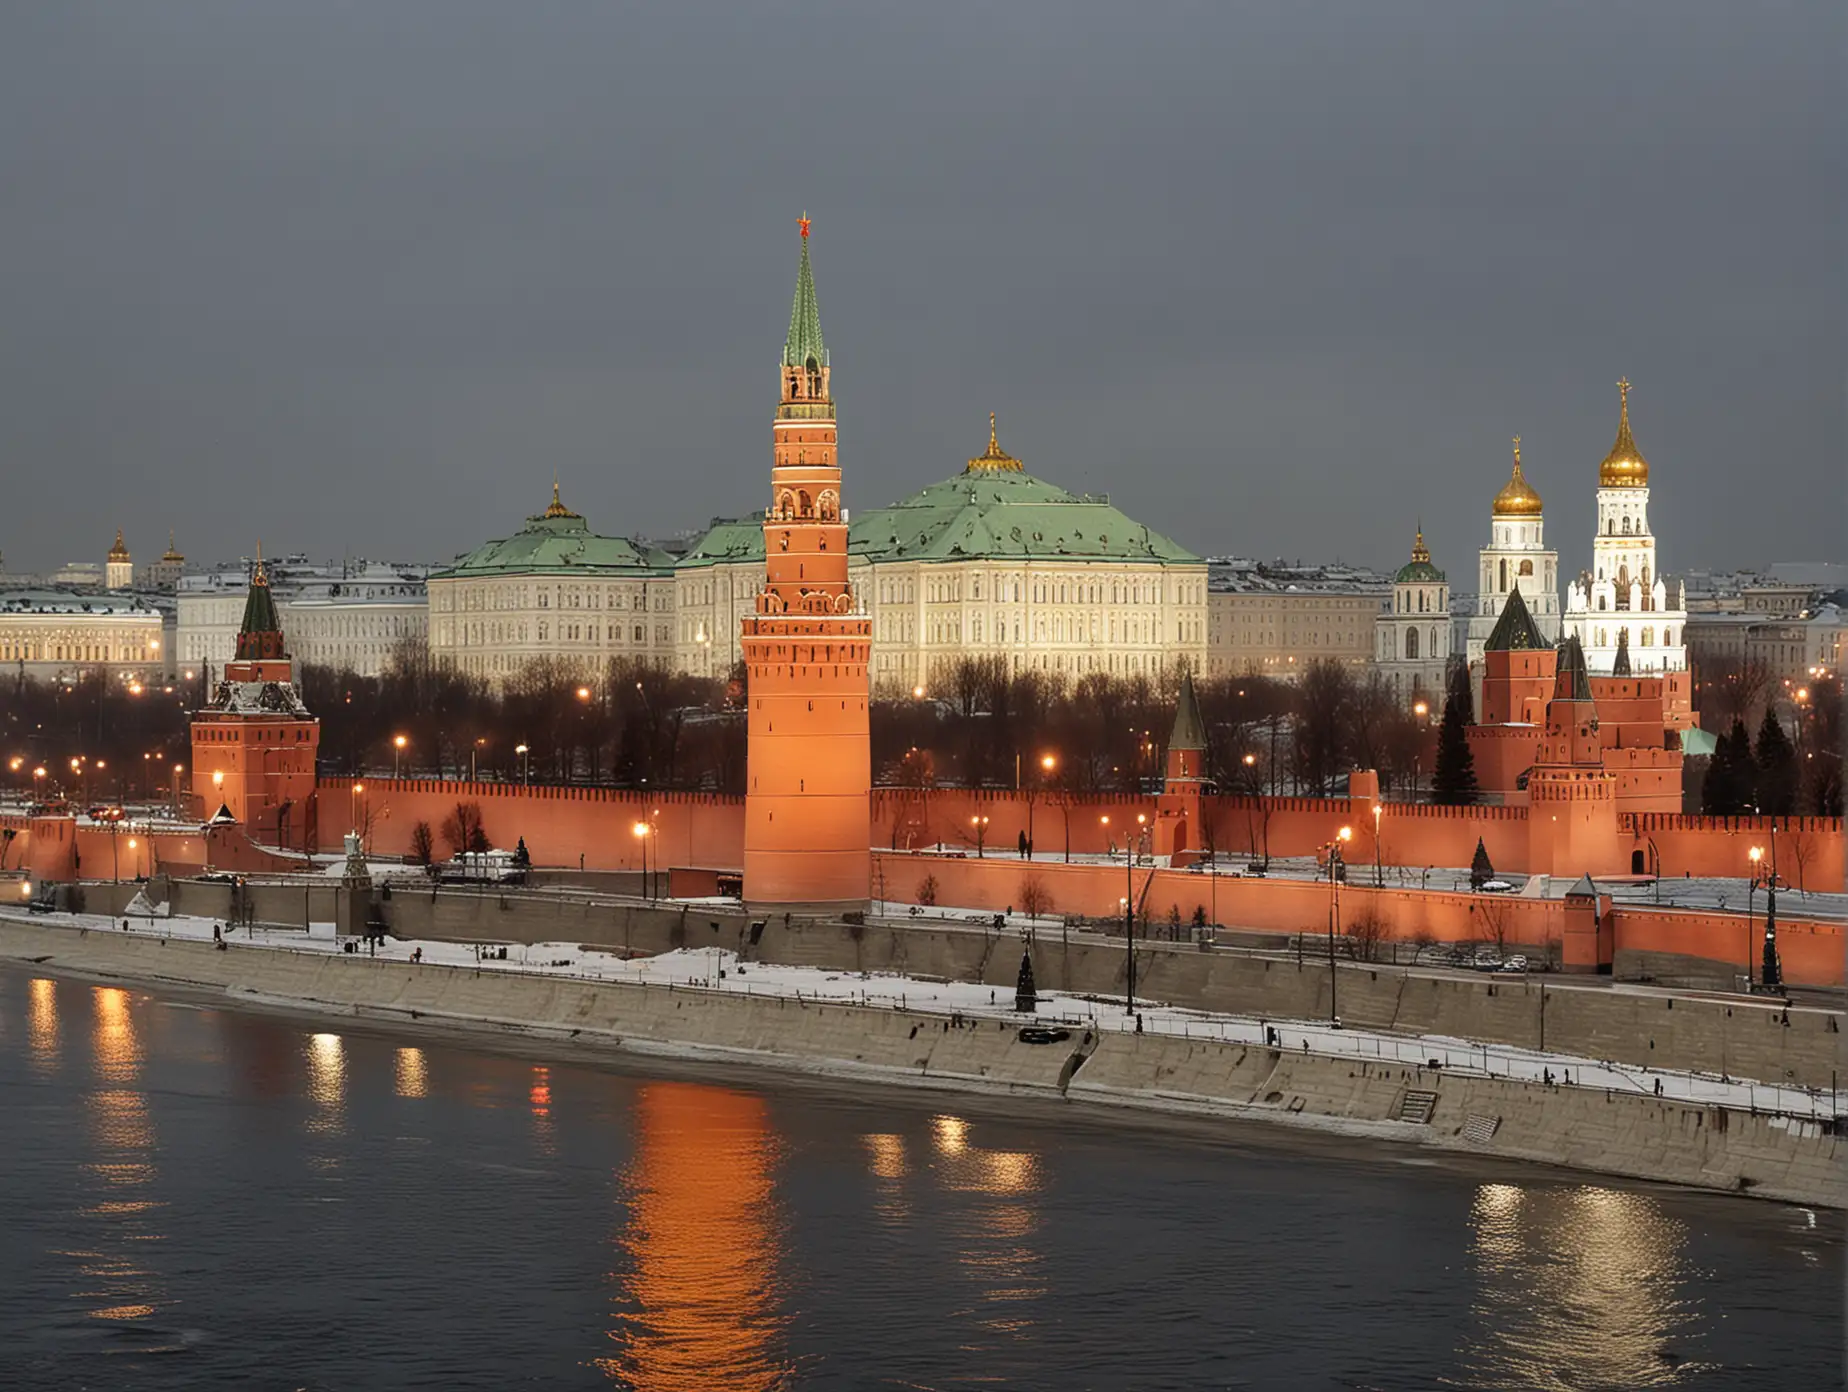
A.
pixel 1776 767
pixel 1744 776
pixel 1026 995
pixel 1481 871
pixel 1716 789
pixel 1453 781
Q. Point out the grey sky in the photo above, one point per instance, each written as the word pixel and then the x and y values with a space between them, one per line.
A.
pixel 1281 278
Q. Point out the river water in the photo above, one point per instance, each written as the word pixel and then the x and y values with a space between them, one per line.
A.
pixel 193 1197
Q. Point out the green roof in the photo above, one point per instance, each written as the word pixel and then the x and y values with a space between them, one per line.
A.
pixel 560 543
pixel 1571 680
pixel 977 515
pixel 1413 572
pixel 804 342
pixel 993 515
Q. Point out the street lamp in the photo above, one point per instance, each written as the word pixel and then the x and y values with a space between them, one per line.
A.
pixel 1142 834
pixel 353 804
pixel 1379 878
pixel 397 749
pixel 1770 971
pixel 980 823
pixel 526 768
pixel 1755 855
pixel 1342 837
pixel 641 830
pixel 1104 822
pixel 917 693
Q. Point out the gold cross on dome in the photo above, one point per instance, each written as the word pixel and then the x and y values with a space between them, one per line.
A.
pixel 1623 388
pixel 1517 449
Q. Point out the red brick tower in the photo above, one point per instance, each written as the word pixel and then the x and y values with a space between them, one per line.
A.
pixel 808 823
pixel 254 743
pixel 1177 811
pixel 1572 799
pixel 1517 680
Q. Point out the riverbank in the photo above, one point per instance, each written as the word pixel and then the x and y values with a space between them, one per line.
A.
pixel 975 1044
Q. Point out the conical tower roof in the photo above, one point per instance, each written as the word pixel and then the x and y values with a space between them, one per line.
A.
pixel 1620 665
pixel 1189 729
pixel 804 344
pixel 260 634
pixel 1624 466
pixel 1572 679
pixel 1515 630
pixel 119 552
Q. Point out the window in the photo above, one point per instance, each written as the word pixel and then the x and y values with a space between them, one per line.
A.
pixel 1411 643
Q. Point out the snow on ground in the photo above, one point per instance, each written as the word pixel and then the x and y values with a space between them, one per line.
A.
pixel 716 969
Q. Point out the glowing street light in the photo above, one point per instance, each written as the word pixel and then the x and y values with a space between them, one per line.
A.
pixel 917 693
pixel 980 823
pixel 397 749
pixel 583 693
pixel 526 768
pixel 641 831
pixel 1342 837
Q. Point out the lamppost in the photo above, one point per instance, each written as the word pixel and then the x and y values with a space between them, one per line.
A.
pixel 526 767
pixel 1104 822
pixel 1047 764
pixel 1379 875
pixel 352 804
pixel 1421 710
pixel 1770 971
pixel 980 823
pixel 1342 837
pixel 177 770
pixel 1140 844
pixel 1755 855
pixel 474 753
pixel 641 830
pixel 397 750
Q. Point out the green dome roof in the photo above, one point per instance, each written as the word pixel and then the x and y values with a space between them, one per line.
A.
pixel 1419 569
pixel 558 541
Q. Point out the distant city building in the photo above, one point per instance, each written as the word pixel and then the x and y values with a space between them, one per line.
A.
pixel 1413 634
pixel 1275 619
pixel 1515 556
pixel 1623 601
pixel 61 633
pixel 555 590
pixel 1790 648
pixel 346 616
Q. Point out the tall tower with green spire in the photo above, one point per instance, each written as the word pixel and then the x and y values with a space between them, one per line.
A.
pixel 808 805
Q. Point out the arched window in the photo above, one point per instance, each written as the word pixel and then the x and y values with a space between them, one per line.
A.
pixel 1504 576
pixel 1626 526
pixel 786 504
pixel 1434 650
pixel 804 505
pixel 1411 643
pixel 1648 638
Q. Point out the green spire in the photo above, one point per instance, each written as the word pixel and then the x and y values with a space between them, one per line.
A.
pixel 260 635
pixel 804 342
pixel 1571 679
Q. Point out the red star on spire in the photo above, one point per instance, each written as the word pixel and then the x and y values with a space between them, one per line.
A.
pixel 803 223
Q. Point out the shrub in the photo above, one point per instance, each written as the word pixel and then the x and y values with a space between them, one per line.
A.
pixel 927 891
pixel 1035 897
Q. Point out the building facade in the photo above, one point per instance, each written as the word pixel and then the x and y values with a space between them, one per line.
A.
pixel 1623 601
pixel 553 590
pixel 991 562
pixel 119 569
pixel 47 633
pixel 346 616
pixel 1516 557
pixel 1276 620
pixel 1413 634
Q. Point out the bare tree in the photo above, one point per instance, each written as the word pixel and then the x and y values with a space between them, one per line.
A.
pixel 1034 898
pixel 462 828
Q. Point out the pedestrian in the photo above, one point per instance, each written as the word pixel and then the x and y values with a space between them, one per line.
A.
pixel 1023 845
pixel 1658 1087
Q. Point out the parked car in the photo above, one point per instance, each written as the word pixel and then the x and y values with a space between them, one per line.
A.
pixel 1040 1034
pixel 1487 958
pixel 1516 963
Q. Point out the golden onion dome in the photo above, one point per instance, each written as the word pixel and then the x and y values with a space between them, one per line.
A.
pixel 1517 498
pixel 118 552
pixel 1624 466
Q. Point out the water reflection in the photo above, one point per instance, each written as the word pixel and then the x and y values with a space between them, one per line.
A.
pixel 114 1280
pixel 42 1024
pixel 412 1077
pixel 701 1303
pixel 113 1042
pixel 1576 1288
pixel 885 1156
pixel 995 1241
pixel 539 1098
pixel 326 1057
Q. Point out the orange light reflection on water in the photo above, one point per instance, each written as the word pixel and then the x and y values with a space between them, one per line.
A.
pixel 700 1305
pixel 1577 1288
pixel 42 1023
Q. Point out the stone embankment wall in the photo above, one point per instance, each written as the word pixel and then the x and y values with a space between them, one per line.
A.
pixel 1733 1036
pixel 1616 1133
